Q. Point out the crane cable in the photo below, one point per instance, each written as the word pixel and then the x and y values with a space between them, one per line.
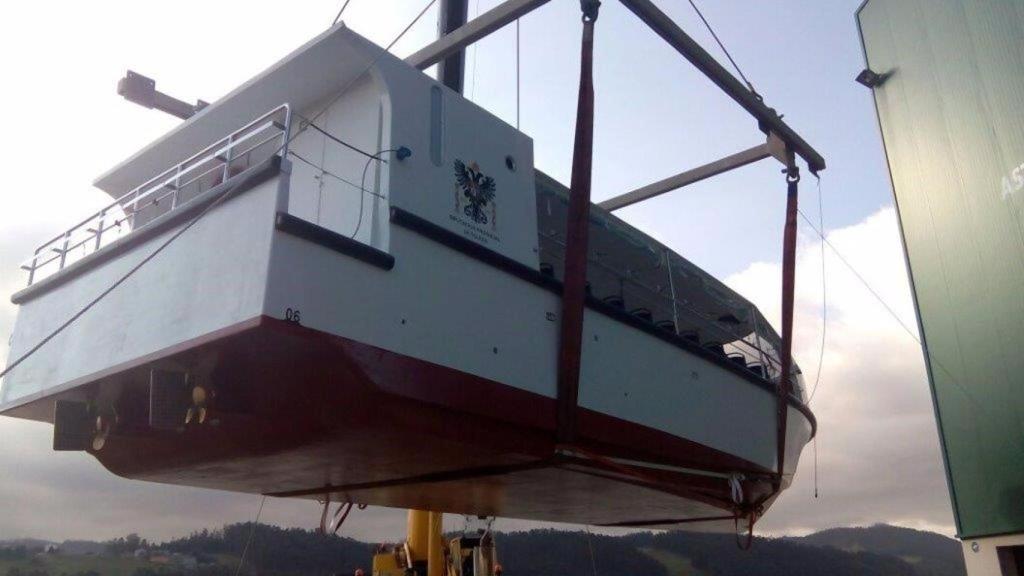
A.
pixel 824 296
pixel 824 327
pixel 340 12
pixel 352 147
pixel 913 335
pixel 213 203
pixel 252 531
pixel 362 183
pixel 472 77
pixel 721 45
pixel 517 73
pixel 313 165
pixel 590 545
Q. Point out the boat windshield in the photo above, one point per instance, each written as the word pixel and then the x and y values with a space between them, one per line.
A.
pixel 633 272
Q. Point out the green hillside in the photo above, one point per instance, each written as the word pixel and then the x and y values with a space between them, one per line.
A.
pixel 875 551
pixel 55 565
pixel 931 554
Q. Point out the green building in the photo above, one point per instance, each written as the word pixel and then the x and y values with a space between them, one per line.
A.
pixel 948 84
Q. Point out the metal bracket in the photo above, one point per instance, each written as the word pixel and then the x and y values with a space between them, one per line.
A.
pixel 142 91
pixel 780 151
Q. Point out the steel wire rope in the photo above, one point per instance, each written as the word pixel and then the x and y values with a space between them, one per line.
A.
pixel 472 77
pixel 340 12
pixel 313 165
pixel 886 306
pixel 590 545
pixel 336 139
pixel 824 297
pixel 815 447
pixel 517 73
pixel 362 187
pixel 724 49
pixel 860 277
pixel 252 531
pixel 824 326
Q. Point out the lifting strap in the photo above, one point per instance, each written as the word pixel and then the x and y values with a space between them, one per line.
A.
pixel 788 287
pixel 755 509
pixel 332 527
pixel 575 274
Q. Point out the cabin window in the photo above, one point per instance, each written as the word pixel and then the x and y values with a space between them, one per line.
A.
pixel 436 124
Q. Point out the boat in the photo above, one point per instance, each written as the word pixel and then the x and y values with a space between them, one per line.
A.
pixel 343 280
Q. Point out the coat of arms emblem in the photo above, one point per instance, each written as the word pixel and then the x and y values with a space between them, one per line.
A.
pixel 475 192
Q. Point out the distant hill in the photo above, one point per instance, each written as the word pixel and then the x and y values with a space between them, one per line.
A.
pixel 559 553
pixel 929 553
pixel 29 543
pixel 875 551
pixel 81 548
pixel 719 555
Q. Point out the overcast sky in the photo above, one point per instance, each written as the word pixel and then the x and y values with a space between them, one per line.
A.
pixel 878 452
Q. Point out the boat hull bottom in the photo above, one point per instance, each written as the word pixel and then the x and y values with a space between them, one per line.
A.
pixel 295 412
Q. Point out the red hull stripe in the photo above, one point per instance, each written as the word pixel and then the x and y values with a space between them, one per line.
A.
pixel 319 413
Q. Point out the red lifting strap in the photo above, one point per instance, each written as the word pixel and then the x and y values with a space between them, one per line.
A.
pixel 788 287
pixel 575 274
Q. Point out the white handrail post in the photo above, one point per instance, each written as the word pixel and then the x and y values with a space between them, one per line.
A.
pixel 64 249
pixel 99 227
pixel 177 186
pixel 32 270
pixel 227 156
pixel 672 287
pixel 128 203
pixel 287 129
pixel 765 366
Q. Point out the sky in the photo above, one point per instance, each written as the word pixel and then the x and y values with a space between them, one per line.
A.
pixel 877 453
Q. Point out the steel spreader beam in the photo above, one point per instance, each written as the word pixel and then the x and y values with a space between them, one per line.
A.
pixel 484 24
pixel 768 120
pixel 748 156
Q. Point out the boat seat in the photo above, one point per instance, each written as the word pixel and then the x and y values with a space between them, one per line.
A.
pixel 614 300
pixel 642 313
pixel 666 325
pixel 690 336
pixel 547 269
pixel 716 348
pixel 738 359
pixel 756 368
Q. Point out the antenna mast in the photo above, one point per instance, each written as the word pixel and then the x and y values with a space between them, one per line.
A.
pixel 451 16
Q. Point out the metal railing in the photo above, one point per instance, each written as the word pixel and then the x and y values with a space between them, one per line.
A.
pixel 257 141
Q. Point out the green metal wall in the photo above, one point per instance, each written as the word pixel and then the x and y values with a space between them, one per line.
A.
pixel 952 121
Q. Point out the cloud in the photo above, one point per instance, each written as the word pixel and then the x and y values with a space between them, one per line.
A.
pixel 878 450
